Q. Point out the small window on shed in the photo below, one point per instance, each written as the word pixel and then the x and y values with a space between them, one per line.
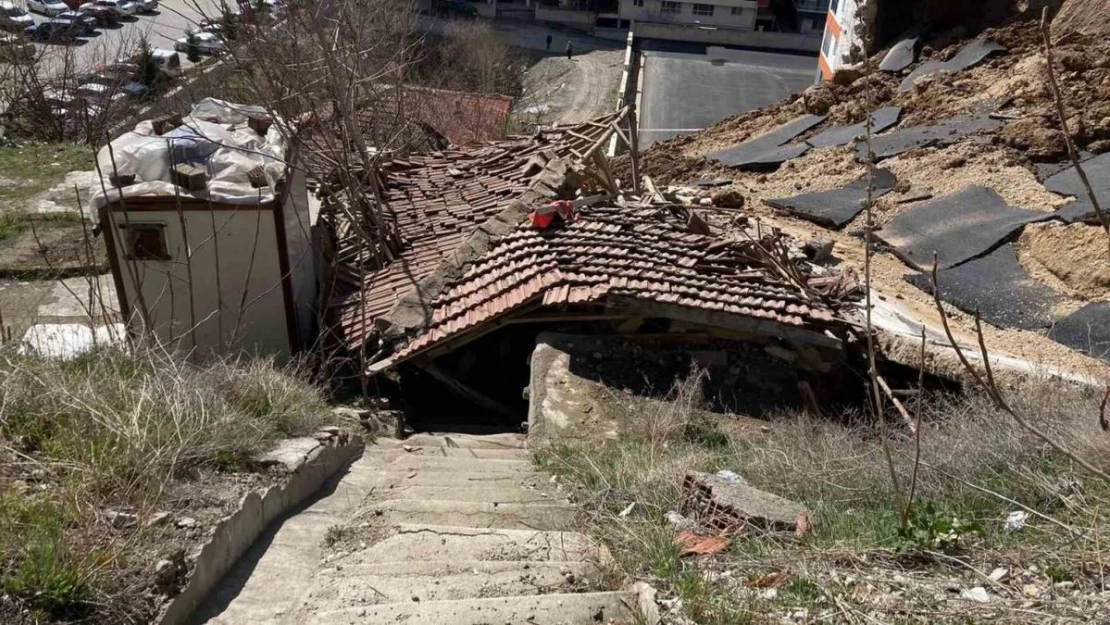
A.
pixel 145 241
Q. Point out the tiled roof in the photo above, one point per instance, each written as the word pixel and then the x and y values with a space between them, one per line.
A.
pixel 435 202
pixel 623 258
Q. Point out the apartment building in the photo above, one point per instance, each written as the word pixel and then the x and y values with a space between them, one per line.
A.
pixel 740 14
pixel 841 34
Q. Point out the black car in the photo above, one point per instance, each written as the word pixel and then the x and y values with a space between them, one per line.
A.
pixel 86 24
pixel 54 30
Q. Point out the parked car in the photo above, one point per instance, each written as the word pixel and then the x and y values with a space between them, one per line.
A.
pixel 104 16
pixel 14 49
pixel 147 6
pixel 206 42
pixel 14 18
pixel 54 30
pixel 455 8
pixel 47 7
pixel 122 8
pixel 168 61
pixel 85 23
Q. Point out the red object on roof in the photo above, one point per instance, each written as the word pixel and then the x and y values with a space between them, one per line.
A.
pixel 544 216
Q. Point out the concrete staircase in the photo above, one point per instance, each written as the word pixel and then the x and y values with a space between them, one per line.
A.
pixel 433 530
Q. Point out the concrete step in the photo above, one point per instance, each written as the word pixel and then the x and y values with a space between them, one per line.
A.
pixel 443 542
pixel 478 514
pixel 555 609
pixel 461 465
pixel 471 441
pixel 397 477
pixel 394 452
pixel 508 492
pixel 399 582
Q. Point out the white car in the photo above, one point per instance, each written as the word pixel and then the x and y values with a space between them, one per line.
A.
pixel 47 7
pixel 14 18
pixel 122 8
pixel 147 6
pixel 206 42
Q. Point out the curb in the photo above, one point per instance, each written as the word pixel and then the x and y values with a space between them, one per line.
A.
pixel 234 535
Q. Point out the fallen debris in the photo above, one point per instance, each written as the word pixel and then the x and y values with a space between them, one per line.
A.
pixel 900 56
pixel 1087 330
pixel 998 288
pixel 725 505
pixel 836 208
pixel 881 120
pixel 694 545
pixel 969 56
pixel 1067 183
pixel 955 228
pixel 769 150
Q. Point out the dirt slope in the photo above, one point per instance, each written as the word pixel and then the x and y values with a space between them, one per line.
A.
pixel 1089 17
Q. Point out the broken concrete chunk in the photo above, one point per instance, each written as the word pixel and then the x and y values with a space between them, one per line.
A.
pixel 290 454
pixel 722 503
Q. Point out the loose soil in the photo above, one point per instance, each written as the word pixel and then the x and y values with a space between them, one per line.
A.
pixel 1074 257
pixel 1015 83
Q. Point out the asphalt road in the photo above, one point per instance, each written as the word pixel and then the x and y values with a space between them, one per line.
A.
pixel 688 87
pixel 161 28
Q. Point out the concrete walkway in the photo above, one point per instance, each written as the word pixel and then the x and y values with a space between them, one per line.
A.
pixel 434 530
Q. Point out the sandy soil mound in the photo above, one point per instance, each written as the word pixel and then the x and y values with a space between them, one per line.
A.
pixel 1074 254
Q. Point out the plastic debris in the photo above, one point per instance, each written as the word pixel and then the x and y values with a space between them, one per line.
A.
pixel 1015 521
pixel 627 511
pixel 730 476
pixel 679 521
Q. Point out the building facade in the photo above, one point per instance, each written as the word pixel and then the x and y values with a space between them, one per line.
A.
pixel 841 34
pixel 740 14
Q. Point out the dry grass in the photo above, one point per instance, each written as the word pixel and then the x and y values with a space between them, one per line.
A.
pixel 116 431
pixel 978 466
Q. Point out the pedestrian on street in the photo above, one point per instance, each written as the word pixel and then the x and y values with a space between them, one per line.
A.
pixel 570 50
pixel 549 43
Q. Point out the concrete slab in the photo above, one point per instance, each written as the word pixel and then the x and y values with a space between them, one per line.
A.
pixel 557 609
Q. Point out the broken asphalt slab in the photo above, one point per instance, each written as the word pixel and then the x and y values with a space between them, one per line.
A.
pixel 999 288
pixel 881 119
pixel 835 208
pixel 969 56
pixel 1067 182
pixel 900 56
pixel 956 227
pixel 1086 330
pixel 944 133
pixel 768 150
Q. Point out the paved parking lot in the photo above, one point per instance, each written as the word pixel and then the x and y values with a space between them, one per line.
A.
pixel 688 87
pixel 160 28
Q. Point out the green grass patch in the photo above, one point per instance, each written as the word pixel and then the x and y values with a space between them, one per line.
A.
pixel 835 466
pixel 33 167
pixel 14 224
pixel 114 431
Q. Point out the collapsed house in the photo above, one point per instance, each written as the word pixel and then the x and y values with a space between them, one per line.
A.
pixel 534 233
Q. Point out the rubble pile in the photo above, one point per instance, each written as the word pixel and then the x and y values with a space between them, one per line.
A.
pixel 971 118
